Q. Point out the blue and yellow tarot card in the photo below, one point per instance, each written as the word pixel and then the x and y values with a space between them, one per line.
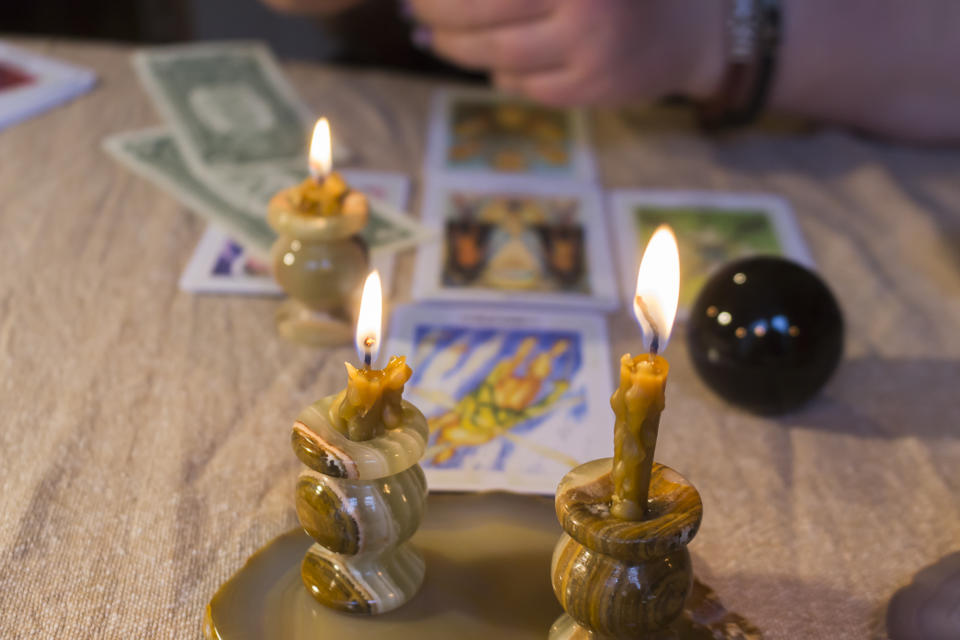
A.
pixel 514 400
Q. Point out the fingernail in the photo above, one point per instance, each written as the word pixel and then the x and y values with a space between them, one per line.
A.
pixel 422 37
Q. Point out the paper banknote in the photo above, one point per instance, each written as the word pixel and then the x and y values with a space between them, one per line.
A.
pixel 239 125
pixel 155 155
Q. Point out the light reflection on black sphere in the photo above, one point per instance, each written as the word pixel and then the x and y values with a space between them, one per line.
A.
pixel 765 333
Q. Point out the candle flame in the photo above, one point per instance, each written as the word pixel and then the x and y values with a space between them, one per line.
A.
pixel 658 289
pixel 320 153
pixel 369 319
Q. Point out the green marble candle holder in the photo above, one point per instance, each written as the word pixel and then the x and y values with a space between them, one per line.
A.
pixel 360 501
pixel 320 262
pixel 619 578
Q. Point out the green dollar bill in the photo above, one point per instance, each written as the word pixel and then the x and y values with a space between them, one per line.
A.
pixel 239 124
pixel 156 155
pixel 228 104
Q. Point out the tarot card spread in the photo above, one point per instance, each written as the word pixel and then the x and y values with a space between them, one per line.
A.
pixel 711 229
pixel 515 239
pixel 222 265
pixel 481 131
pixel 513 400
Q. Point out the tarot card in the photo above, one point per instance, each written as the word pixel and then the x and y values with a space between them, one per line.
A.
pixel 711 229
pixel 515 239
pixel 514 400
pixel 222 265
pixel 30 84
pixel 481 131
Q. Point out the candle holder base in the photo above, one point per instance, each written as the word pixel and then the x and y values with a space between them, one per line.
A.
pixel 486 555
pixel 298 323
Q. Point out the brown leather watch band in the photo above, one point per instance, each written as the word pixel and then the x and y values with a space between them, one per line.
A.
pixel 753 41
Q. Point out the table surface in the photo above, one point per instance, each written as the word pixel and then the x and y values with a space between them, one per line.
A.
pixel 144 447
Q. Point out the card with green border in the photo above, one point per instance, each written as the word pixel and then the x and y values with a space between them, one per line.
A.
pixel 712 228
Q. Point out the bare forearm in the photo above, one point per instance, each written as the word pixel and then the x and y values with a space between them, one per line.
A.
pixel 887 66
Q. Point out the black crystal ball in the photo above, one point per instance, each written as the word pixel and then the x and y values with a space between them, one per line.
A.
pixel 765 333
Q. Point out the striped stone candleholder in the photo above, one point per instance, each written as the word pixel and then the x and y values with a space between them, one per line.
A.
pixel 619 578
pixel 320 261
pixel 361 501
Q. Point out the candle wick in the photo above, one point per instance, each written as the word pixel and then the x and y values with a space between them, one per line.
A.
pixel 368 351
pixel 645 311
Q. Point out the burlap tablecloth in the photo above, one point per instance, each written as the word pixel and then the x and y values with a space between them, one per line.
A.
pixel 144 449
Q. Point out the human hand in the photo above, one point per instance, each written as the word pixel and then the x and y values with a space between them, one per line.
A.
pixel 566 52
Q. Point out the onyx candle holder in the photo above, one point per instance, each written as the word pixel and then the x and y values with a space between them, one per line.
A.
pixel 621 568
pixel 363 494
pixel 619 578
pixel 319 259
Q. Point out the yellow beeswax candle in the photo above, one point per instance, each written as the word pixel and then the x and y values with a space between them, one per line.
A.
pixel 325 193
pixel 639 398
pixel 371 403
pixel 637 404
pixel 329 196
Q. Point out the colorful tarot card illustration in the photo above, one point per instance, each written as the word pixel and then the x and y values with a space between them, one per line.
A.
pixel 515 239
pixel 513 400
pixel 711 229
pixel 220 264
pixel 477 130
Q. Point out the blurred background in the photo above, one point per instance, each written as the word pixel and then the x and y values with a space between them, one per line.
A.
pixel 157 21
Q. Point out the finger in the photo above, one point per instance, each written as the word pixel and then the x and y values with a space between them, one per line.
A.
pixel 534 46
pixel 478 14
pixel 562 87
pixel 506 82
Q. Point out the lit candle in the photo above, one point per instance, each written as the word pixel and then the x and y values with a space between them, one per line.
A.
pixel 372 401
pixel 320 257
pixel 639 398
pixel 321 151
pixel 325 192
